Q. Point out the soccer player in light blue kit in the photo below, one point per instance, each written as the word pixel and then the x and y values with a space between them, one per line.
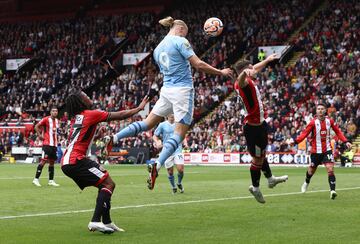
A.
pixel 165 130
pixel 174 56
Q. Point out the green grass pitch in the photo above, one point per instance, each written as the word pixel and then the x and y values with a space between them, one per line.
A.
pixel 215 208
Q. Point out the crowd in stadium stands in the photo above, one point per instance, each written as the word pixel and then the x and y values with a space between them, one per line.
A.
pixel 289 93
pixel 326 71
pixel 69 51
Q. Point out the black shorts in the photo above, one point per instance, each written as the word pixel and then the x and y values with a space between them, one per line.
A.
pixel 85 173
pixel 320 158
pixel 256 139
pixel 49 152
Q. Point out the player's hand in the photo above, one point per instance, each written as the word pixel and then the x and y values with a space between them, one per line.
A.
pixel 291 142
pixel 272 57
pixel 158 144
pixel 348 145
pixel 143 103
pixel 227 72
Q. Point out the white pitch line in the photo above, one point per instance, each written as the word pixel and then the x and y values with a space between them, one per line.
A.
pixel 168 204
pixel 64 176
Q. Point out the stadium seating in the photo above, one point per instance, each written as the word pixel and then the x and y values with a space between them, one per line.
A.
pixel 70 59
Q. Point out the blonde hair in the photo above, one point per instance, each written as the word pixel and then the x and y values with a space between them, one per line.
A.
pixel 170 22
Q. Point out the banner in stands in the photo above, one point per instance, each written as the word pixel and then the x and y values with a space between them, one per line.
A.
pixel 134 58
pixel 356 159
pixel 14 64
pixel 244 158
pixel 279 50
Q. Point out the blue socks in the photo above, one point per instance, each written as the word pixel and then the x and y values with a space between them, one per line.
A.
pixel 169 148
pixel 130 130
pixel 172 180
pixel 180 177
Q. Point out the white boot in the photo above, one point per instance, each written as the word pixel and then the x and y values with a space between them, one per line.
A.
pixel 304 187
pixel 36 182
pixel 257 194
pixel 99 226
pixel 114 227
pixel 273 181
pixel 53 183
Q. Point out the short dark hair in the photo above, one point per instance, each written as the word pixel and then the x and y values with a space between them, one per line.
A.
pixel 53 107
pixel 239 66
pixel 74 103
pixel 321 103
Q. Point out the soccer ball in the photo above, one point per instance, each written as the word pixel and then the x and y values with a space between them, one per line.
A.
pixel 213 27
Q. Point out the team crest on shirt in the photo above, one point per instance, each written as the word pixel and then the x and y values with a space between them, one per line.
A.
pixel 187 45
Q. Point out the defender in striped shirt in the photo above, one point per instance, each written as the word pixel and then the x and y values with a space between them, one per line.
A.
pixel 75 163
pixel 255 128
pixel 47 130
pixel 321 151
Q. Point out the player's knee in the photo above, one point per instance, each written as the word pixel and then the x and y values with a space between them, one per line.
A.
pixel 109 184
pixel 312 168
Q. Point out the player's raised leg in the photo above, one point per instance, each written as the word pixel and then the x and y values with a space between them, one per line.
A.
pixel 272 180
pixel 132 130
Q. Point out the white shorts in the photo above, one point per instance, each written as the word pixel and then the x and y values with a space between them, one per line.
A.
pixel 177 159
pixel 176 100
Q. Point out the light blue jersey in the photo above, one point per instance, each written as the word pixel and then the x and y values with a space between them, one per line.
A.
pixel 166 130
pixel 171 55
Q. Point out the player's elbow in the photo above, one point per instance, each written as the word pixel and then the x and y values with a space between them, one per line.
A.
pixel 199 65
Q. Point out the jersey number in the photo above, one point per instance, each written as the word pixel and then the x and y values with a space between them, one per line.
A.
pixel 164 60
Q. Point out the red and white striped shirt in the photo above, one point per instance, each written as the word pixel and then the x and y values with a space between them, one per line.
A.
pixel 51 127
pixel 320 134
pixel 251 99
pixel 82 132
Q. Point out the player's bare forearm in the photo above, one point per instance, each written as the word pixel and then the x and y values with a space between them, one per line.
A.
pixel 259 66
pixel 121 115
pixel 339 133
pixel 198 64
pixel 208 69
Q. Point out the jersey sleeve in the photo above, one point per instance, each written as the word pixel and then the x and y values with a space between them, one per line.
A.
pixel 305 132
pixel 337 131
pixel 43 122
pixel 96 116
pixel 158 131
pixel 184 47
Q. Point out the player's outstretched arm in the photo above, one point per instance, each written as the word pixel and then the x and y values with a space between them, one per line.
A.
pixel 259 66
pixel 198 64
pixel 339 134
pixel 121 115
pixel 305 132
